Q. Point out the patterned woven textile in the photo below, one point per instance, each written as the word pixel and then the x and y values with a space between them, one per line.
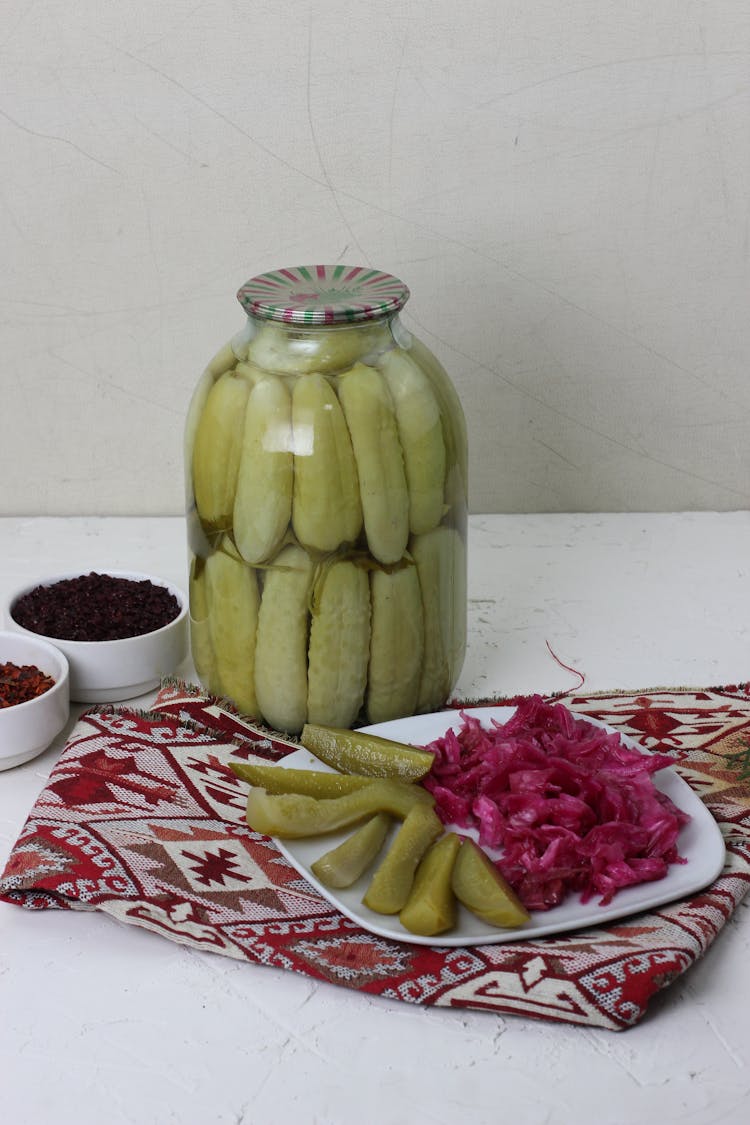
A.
pixel 141 818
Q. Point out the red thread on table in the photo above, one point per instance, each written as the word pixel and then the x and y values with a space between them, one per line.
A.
pixel 567 667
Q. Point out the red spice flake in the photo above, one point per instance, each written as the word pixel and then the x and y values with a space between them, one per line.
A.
pixel 570 806
pixel 20 683
pixel 96 607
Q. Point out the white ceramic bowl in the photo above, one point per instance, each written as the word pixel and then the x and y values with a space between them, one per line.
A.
pixel 108 671
pixel 26 729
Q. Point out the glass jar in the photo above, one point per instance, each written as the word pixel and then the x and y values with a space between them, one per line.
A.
pixel 326 500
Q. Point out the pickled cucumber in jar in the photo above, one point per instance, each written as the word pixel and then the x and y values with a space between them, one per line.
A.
pixel 325 457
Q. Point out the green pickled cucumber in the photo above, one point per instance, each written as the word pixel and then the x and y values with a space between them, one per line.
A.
pixel 309 783
pixel 295 351
pixel 353 751
pixel 200 636
pixel 454 430
pixel 391 884
pixel 478 884
pixel 431 906
pixel 342 866
pixel 291 815
pixel 233 599
pixel 217 447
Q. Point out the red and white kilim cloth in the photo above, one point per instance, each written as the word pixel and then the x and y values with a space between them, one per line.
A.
pixel 142 819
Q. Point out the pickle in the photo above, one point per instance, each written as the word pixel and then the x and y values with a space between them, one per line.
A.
pixel 431 906
pixel 440 558
pixel 478 884
pixel 291 815
pixel 281 643
pixel 326 506
pixel 197 402
pixel 232 598
pixel 200 636
pixel 420 430
pixel 454 426
pixel 263 497
pixel 294 350
pixel 342 866
pixel 216 450
pixel 310 783
pixel 368 409
pixel 339 648
pixel 391 884
pixel 396 644
pixel 353 751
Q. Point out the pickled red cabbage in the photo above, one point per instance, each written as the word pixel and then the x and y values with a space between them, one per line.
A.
pixel 569 805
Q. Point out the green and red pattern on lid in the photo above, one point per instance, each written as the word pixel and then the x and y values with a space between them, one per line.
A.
pixel 323 295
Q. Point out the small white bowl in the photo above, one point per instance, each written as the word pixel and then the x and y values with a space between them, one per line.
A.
pixel 26 729
pixel 109 671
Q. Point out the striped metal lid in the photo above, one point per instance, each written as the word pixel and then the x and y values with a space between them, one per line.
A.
pixel 323 295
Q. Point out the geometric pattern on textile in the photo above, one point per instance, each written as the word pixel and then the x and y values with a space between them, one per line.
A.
pixel 142 818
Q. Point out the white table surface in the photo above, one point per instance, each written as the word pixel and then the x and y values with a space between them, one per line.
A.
pixel 107 1023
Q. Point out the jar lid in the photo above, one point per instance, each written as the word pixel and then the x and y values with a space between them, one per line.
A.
pixel 323 294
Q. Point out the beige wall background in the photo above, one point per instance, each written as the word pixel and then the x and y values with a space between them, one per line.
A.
pixel 563 186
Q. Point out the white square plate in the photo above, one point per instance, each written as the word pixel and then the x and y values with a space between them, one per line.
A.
pixel 700 842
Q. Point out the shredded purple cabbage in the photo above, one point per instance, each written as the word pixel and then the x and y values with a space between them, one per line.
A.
pixel 571 807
